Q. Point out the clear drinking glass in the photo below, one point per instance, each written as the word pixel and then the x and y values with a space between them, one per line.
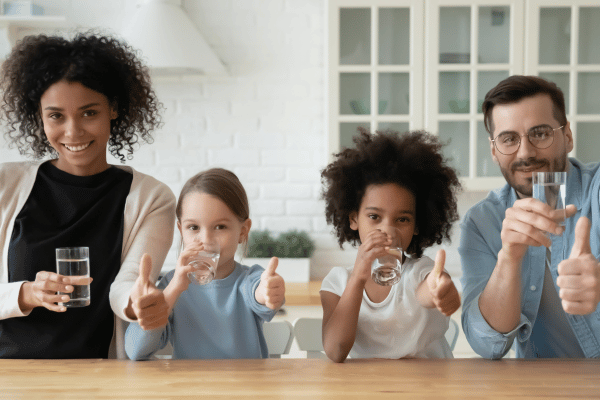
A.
pixel 386 270
pixel 551 188
pixel 205 264
pixel 75 262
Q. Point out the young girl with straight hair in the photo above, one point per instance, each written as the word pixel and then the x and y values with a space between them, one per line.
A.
pixel 224 318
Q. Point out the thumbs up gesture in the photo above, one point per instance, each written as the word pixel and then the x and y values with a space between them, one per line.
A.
pixel 147 303
pixel 444 295
pixel 579 275
pixel 271 289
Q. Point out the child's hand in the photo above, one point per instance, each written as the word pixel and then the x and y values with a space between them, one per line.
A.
pixel 271 289
pixel 180 281
pixel 374 246
pixel 444 295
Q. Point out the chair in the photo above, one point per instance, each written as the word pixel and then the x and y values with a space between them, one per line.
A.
pixel 308 332
pixel 279 336
pixel 452 334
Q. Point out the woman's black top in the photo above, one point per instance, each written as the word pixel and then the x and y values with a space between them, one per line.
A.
pixel 65 210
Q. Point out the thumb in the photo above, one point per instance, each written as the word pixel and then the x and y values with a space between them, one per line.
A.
pixel 272 266
pixel 582 238
pixel 145 269
pixel 440 260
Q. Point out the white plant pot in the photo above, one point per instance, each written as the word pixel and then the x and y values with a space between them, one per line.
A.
pixel 290 269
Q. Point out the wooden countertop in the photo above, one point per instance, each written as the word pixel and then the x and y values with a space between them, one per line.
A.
pixel 299 378
pixel 302 294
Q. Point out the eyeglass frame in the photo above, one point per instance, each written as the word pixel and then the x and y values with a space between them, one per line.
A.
pixel 527 134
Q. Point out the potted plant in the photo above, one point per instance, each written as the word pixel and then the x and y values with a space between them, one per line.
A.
pixel 293 248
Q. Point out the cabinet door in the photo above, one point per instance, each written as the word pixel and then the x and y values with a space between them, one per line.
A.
pixel 375 67
pixel 470 47
pixel 562 41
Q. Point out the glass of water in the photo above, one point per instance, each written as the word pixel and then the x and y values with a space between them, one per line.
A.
pixel 205 264
pixel 74 262
pixel 387 270
pixel 551 188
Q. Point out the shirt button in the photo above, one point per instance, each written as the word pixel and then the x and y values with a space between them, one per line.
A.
pixel 532 288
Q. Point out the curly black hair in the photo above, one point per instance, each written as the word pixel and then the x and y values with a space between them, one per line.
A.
pixel 100 63
pixel 412 160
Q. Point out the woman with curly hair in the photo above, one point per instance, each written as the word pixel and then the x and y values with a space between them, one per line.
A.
pixel 390 186
pixel 72 100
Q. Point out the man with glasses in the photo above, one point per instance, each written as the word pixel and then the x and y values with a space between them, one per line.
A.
pixel 514 287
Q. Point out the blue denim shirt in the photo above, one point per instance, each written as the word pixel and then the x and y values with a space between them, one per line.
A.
pixel 480 243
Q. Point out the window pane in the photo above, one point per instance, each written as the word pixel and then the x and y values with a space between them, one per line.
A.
pixel 562 81
pixel 485 164
pixel 394 36
pixel 555 35
pixel 454 92
pixel 355 93
pixel 348 130
pixel 486 81
pixel 588 141
pixel 455 35
pixel 394 126
pixel 494 34
pixel 393 93
pixel 588 89
pixel 456 134
pixel 589 33
pixel 355 36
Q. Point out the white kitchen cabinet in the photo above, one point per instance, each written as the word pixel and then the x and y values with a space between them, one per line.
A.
pixel 563 46
pixel 428 64
pixel 375 67
pixel 12 25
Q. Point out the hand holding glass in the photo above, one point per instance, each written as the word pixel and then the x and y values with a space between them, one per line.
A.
pixel 386 270
pixel 205 264
pixel 551 188
pixel 74 262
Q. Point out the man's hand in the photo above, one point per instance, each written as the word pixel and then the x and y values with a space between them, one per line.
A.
pixel 526 224
pixel 444 295
pixel 147 303
pixel 579 275
pixel 271 289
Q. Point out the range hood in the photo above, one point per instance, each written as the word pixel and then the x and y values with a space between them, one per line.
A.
pixel 168 40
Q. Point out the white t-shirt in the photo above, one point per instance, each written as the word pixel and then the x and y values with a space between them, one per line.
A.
pixel 398 326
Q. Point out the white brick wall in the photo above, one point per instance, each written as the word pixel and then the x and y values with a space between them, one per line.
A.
pixel 265 121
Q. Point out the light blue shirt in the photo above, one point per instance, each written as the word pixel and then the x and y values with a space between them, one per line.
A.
pixel 480 243
pixel 215 321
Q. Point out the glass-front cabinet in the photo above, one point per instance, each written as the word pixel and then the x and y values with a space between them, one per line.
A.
pixel 428 64
pixel 564 46
pixel 375 67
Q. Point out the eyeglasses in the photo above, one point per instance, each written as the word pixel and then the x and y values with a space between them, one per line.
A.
pixel 509 142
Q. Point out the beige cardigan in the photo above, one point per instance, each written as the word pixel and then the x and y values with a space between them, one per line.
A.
pixel 149 224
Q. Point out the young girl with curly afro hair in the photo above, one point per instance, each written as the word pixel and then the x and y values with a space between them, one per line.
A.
pixel 65 103
pixel 389 187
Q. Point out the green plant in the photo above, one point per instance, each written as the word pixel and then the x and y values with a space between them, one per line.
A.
pixel 294 244
pixel 261 244
pixel 290 244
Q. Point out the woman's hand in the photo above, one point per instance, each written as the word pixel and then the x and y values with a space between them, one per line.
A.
pixel 147 304
pixel 43 291
pixel 374 246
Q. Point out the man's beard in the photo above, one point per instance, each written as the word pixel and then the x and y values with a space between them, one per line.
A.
pixel 526 189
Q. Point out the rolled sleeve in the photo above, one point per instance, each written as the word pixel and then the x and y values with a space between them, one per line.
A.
pixel 485 340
